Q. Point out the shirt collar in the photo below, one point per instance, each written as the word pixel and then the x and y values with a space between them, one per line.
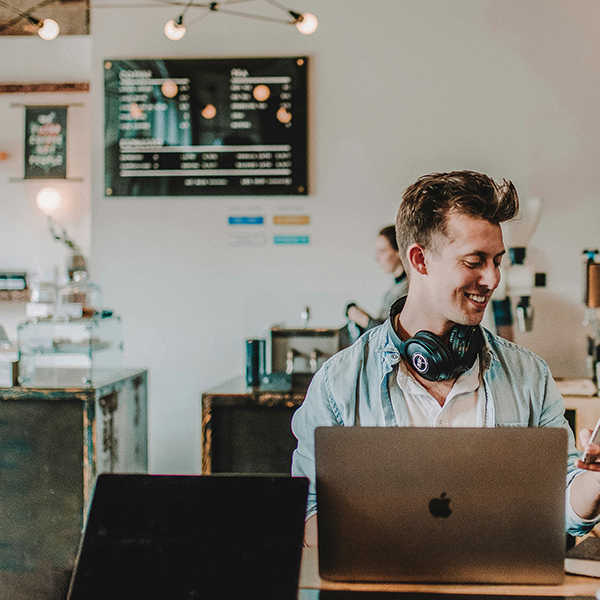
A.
pixel 466 382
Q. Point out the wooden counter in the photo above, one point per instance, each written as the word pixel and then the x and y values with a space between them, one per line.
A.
pixel 246 429
pixel 54 440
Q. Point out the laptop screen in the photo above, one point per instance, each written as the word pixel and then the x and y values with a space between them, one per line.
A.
pixel 185 537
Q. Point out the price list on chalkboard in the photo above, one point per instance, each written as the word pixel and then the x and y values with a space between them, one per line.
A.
pixel 206 127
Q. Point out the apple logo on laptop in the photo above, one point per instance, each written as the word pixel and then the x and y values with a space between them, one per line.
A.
pixel 440 507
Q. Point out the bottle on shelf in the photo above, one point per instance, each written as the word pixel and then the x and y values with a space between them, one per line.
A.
pixel 81 297
pixel 43 296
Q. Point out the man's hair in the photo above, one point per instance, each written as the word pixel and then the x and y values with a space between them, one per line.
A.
pixel 428 202
pixel 389 233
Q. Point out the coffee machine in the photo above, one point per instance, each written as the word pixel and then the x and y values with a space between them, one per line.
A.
pixel 591 299
pixel 513 297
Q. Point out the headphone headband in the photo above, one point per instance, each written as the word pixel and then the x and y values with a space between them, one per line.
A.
pixel 436 361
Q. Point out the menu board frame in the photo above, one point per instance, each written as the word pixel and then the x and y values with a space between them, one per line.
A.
pixel 45 142
pixel 206 127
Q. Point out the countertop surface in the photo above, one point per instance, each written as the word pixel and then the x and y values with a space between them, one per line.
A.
pixel 57 382
pixel 272 384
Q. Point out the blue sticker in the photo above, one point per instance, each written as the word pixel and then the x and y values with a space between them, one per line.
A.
pixel 246 220
pixel 290 239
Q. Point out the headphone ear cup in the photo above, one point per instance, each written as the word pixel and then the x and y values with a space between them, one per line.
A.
pixel 465 343
pixel 429 356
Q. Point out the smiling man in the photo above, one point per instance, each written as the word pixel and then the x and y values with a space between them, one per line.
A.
pixel 431 364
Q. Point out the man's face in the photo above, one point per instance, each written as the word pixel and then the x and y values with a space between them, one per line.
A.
pixel 463 270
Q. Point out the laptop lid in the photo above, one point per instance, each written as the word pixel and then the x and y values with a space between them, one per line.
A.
pixel 441 504
pixel 186 537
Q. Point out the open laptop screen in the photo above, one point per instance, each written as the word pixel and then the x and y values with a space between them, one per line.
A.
pixel 186 537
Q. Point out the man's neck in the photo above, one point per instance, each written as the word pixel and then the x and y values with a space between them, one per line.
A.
pixel 415 318
pixel 438 389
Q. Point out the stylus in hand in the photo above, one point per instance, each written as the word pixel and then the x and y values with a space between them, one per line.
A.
pixel 594 439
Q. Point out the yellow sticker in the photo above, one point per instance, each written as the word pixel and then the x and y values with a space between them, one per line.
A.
pixel 291 219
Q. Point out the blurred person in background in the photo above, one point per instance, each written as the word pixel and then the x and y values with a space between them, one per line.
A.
pixel 388 258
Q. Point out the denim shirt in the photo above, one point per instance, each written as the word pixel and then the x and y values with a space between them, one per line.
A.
pixel 519 389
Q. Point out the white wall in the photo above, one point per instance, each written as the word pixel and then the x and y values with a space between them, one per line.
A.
pixel 25 241
pixel 397 89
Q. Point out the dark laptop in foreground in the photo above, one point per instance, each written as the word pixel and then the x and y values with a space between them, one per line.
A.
pixel 441 505
pixel 189 537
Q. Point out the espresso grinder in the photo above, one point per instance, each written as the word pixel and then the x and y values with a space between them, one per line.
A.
pixel 591 320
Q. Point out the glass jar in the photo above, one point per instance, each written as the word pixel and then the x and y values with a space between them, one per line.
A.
pixel 42 298
pixel 76 263
pixel 79 298
pixel 43 292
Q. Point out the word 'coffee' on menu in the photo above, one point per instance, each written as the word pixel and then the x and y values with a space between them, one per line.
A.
pixel 206 127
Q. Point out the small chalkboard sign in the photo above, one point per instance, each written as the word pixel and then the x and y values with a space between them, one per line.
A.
pixel 212 127
pixel 45 142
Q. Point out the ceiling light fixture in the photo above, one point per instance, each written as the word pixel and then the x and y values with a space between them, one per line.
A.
pixel 306 23
pixel 48 29
pixel 175 29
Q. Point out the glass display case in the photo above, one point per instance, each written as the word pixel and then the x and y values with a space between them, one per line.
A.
pixel 78 350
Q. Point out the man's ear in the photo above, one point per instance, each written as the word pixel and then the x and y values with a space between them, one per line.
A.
pixel 416 258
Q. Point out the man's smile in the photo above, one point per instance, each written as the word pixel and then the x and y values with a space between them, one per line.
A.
pixel 476 298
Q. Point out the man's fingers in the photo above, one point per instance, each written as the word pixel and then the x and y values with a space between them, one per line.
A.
pixel 592 449
pixel 584 436
pixel 589 466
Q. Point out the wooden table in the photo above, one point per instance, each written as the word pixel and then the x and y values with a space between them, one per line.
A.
pixel 246 429
pixel 310 580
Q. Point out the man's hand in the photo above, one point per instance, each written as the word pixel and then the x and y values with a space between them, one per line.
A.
pixel 592 451
pixel 585 489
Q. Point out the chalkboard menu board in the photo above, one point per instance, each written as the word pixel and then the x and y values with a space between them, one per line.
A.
pixel 45 142
pixel 206 127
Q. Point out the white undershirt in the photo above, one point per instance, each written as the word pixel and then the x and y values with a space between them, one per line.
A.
pixel 464 405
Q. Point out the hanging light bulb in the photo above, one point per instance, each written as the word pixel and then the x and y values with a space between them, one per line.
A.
pixel 48 200
pixel 175 29
pixel 49 29
pixel 306 23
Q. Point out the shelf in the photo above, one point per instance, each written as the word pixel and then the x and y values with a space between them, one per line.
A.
pixel 576 387
pixel 14 295
pixel 66 347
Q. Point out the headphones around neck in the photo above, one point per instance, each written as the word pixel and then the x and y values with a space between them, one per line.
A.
pixel 434 360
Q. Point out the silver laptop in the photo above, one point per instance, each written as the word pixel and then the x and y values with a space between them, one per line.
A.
pixel 456 505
